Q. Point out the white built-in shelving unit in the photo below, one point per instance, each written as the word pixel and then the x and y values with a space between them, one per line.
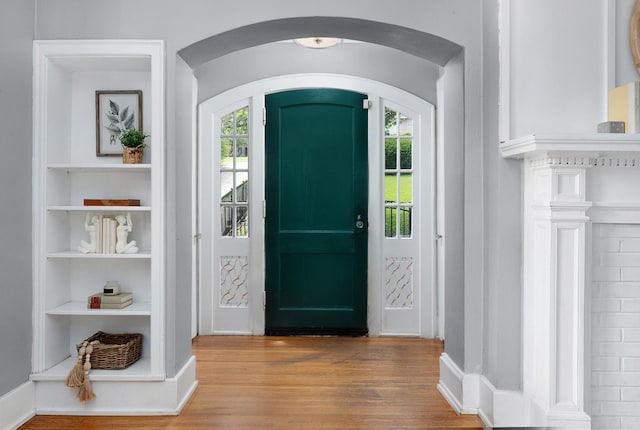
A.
pixel 66 170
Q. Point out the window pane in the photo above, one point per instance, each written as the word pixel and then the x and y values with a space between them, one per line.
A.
pixel 242 144
pixel 390 188
pixel 242 221
pixel 226 220
pixel 390 122
pixel 390 153
pixel 398 183
pixel 406 125
pixel 242 120
pixel 226 124
pixel 404 221
pixel 406 188
pixel 242 187
pixel 389 222
pixel 226 186
pixel 406 144
pixel 226 152
pixel 234 173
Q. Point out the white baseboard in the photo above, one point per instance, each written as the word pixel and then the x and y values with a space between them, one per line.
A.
pixel 474 394
pixel 17 406
pixel 166 397
pixel 471 394
pixel 503 408
pixel 186 383
pixel 450 385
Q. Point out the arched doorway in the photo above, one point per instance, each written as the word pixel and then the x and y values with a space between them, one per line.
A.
pixel 458 120
pixel 401 275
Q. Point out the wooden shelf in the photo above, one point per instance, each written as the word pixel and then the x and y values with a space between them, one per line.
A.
pixel 138 371
pixel 74 254
pixel 80 309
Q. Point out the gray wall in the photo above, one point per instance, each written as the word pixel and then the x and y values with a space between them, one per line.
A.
pixel 16 36
pixel 181 166
pixel 501 334
pixel 451 112
pixel 181 24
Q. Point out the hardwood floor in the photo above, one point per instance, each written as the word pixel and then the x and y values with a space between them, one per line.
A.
pixel 302 383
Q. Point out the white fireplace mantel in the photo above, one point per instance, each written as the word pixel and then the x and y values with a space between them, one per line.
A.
pixel 569 182
pixel 588 145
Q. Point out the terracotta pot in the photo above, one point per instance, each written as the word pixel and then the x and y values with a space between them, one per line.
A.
pixel 132 155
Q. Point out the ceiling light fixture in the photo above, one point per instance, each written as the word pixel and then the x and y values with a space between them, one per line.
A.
pixel 318 42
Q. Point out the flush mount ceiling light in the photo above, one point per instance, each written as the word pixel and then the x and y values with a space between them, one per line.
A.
pixel 317 42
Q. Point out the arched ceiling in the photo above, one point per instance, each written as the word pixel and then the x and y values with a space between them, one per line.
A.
pixel 423 45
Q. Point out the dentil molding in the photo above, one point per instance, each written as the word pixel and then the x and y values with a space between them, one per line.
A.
pixel 588 150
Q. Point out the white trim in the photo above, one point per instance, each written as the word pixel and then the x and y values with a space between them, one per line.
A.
pixel 486 393
pixel 195 259
pixel 17 406
pixel 575 145
pixel 502 408
pixel 475 394
pixel 450 385
pixel 439 227
pixel 166 397
pixel 471 394
pixel 615 212
pixel 186 383
pixel 231 333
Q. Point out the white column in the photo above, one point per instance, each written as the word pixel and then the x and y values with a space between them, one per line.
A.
pixel 555 225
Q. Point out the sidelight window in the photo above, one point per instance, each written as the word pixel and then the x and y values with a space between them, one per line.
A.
pixel 234 173
pixel 398 174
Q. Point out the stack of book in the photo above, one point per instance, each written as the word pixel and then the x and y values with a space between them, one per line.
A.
pixel 107 224
pixel 107 235
pixel 116 301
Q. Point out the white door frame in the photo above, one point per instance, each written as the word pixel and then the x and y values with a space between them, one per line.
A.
pixel 253 94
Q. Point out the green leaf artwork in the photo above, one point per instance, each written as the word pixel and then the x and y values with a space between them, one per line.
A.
pixel 119 121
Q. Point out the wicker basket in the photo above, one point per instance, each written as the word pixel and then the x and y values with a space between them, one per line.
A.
pixel 115 351
pixel 132 155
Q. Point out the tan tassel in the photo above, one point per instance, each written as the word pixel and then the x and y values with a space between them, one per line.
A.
pixel 76 375
pixel 86 393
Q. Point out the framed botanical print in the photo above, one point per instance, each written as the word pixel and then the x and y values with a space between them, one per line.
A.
pixel 116 111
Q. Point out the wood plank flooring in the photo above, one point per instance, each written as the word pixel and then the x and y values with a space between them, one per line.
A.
pixel 255 382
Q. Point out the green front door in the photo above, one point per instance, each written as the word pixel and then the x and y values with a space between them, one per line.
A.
pixel 316 212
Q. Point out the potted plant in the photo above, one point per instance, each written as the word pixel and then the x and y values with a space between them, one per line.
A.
pixel 132 141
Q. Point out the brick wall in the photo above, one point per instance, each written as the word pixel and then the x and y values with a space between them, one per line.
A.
pixel 615 327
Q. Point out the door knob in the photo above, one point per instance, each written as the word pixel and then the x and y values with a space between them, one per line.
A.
pixel 359 222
